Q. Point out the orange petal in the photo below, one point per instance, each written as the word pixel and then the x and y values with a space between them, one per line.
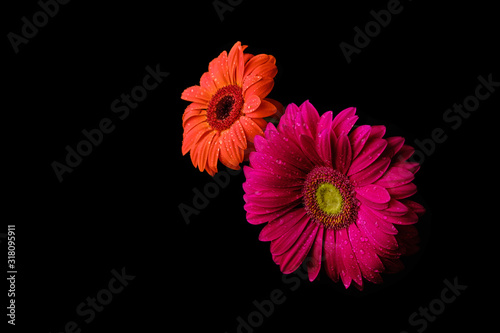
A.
pixel 199 155
pixel 261 88
pixel 249 80
pixel 267 70
pixel 236 64
pixel 280 110
pixel 255 62
pixel 191 112
pixel 208 83
pixel 196 94
pixel 219 71
pixel 225 153
pixel 193 121
pixel 246 58
pixel 191 137
pixel 266 109
pixel 251 104
pixel 251 127
pixel 239 134
pixel 213 155
pixel 235 153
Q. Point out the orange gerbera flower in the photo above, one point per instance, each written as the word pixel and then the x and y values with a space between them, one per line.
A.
pixel 228 108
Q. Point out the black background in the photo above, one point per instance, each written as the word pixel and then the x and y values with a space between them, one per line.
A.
pixel 119 207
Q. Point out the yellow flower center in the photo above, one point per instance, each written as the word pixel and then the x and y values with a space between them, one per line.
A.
pixel 329 199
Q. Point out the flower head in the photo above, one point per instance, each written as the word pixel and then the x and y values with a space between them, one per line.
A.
pixel 228 108
pixel 333 196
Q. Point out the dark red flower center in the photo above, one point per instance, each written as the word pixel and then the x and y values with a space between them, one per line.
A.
pixel 225 107
pixel 329 198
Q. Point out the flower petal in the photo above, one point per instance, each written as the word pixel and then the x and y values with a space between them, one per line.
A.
pixel 207 83
pixel 372 172
pixel 314 263
pixel 192 136
pixel 285 242
pixel 196 94
pixel 251 104
pixel 299 250
pixel 358 138
pixel 280 226
pixel 261 88
pixel 350 269
pixel 395 176
pixel 371 151
pixel 251 128
pixel 342 154
pixel 374 193
pixel 265 109
pixel 344 121
pixel 236 66
pixel 329 251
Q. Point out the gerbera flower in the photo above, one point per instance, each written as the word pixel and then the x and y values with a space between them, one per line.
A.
pixel 228 108
pixel 333 196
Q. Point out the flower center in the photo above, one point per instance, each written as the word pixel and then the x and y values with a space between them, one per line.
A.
pixel 329 198
pixel 225 107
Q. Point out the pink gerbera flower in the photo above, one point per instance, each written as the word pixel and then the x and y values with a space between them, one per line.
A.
pixel 334 196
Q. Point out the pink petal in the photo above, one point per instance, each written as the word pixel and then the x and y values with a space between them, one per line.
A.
pixel 404 153
pixel 323 147
pixel 325 121
pixel 377 132
pixel 368 155
pixel 283 148
pixel 394 144
pixel 344 121
pixel 403 191
pixel 396 208
pixel 369 263
pixel 309 149
pixel 314 263
pixel 374 193
pixel 414 206
pixel 377 236
pixel 350 269
pixel 358 138
pixel 372 172
pixel 330 257
pixel 282 244
pixel 298 252
pixel 342 155
pixel 259 215
pixel 280 226
pixel 273 198
pixel 395 176
pixel 309 118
